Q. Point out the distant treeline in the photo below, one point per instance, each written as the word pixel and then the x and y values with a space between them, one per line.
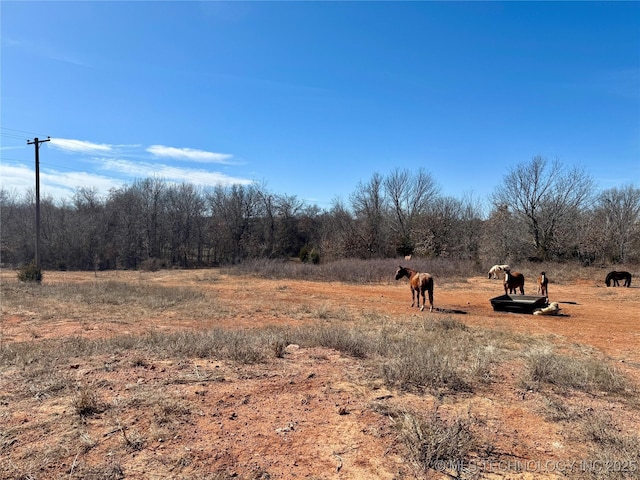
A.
pixel 539 211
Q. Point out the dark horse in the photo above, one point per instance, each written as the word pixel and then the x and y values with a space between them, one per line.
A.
pixel 419 283
pixel 615 276
pixel 513 281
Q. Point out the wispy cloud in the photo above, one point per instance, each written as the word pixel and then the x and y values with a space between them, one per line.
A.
pixel 16 176
pixel 45 50
pixel 108 166
pixel 74 180
pixel 173 174
pixel 191 154
pixel 80 146
pixel 52 182
pixel 11 147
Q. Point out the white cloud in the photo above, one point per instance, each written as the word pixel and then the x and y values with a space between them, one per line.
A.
pixel 189 154
pixel 108 169
pixel 80 146
pixel 55 184
pixel 12 147
pixel 73 180
pixel 173 174
pixel 16 176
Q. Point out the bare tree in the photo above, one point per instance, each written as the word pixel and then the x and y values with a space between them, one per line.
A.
pixel 287 240
pixel 185 210
pixel 368 204
pixel 408 196
pixel 234 211
pixel 621 211
pixel 340 237
pixel 17 212
pixel 153 205
pixel 79 231
pixel 125 235
pixel 547 197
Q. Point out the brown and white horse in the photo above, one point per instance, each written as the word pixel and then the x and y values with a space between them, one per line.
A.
pixel 543 283
pixel 513 281
pixel 419 283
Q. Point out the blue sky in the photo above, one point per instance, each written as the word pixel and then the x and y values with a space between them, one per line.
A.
pixel 311 98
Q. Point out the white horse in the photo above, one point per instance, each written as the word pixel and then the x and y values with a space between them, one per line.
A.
pixel 497 270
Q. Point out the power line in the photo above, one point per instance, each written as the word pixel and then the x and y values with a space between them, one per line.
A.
pixel 13 135
pixel 32 134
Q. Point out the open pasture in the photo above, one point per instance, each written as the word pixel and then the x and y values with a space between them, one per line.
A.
pixel 211 374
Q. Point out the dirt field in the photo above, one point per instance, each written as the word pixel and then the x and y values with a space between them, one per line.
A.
pixel 313 413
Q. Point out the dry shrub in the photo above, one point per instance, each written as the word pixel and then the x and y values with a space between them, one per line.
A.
pixel 86 402
pixel 559 410
pixel 168 410
pixel 564 372
pixel 111 470
pixel 279 347
pixel 354 270
pixel 615 455
pixel 438 444
pixel 351 341
pixel 435 356
pixel 30 273
pixel 424 366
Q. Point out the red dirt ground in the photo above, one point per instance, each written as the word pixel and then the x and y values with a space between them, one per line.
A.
pixel 308 415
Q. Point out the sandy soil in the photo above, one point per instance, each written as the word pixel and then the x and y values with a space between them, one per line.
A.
pixel 310 414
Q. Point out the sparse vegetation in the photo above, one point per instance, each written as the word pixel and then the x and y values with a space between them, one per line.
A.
pixel 421 368
pixel 589 375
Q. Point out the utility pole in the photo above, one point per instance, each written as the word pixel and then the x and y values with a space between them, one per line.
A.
pixel 37 143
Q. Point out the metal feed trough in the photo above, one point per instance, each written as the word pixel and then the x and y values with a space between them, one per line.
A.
pixel 518 303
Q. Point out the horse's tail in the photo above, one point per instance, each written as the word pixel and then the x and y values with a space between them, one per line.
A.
pixel 430 290
pixel 629 280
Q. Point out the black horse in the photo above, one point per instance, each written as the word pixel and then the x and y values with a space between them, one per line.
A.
pixel 615 276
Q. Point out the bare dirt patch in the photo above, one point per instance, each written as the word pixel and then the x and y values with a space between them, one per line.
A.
pixel 314 413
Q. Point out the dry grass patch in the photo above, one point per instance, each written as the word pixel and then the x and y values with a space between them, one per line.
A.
pixel 544 366
pixel 434 443
pixel 155 386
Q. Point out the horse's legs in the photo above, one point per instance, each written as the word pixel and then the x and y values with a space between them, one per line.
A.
pixel 413 297
pixel 423 300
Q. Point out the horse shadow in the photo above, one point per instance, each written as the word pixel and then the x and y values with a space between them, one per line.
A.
pixel 449 310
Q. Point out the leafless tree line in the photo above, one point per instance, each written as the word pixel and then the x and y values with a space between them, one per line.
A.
pixel 539 210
